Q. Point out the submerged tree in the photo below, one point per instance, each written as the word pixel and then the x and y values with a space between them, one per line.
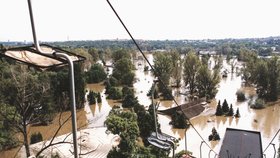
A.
pixel 214 135
pixel 191 68
pixel 163 69
pixel 225 107
pixel 177 64
pixel 237 114
pixel 219 111
pixel 207 82
pixel 230 112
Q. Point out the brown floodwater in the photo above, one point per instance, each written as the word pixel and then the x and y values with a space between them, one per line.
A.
pixel 267 120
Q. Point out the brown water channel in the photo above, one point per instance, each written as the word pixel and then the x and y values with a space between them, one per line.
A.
pixel 267 120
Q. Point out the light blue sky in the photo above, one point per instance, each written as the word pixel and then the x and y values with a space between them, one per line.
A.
pixel 59 20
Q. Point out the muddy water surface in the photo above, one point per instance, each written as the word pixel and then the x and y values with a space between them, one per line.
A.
pixel 267 120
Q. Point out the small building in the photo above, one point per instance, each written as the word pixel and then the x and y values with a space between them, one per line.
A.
pixel 241 143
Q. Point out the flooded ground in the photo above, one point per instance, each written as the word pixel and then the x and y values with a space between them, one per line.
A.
pixel 267 120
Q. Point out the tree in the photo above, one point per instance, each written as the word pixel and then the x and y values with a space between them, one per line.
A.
pixel 83 52
pixel 60 87
pixel 123 123
pixel 273 66
pixel 179 120
pixel 91 97
pixel 99 100
pixel 96 74
pixel 163 69
pixel 214 135
pixel 207 82
pixel 240 96
pixel 191 67
pixel 94 53
pixel 218 62
pixel 114 93
pixel 259 104
pixel 177 63
pixel 225 107
pixel 129 101
pixel 27 93
pixel 219 111
pixel 261 78
pixel 230 112
pixel 123 71
pixel 121 54
pixel 237 114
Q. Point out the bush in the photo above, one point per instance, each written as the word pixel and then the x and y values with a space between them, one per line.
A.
pixel 240 96
pixel 96 74
pixel 114 93
pixel 214 136
pixel 7 140
pixel 182 153
pixel 259 104
pixel 36 137
pixel 178 120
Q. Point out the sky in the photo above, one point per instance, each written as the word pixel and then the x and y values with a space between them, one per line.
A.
pixel 62 20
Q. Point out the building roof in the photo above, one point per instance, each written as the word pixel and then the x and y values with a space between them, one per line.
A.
pixel 241 143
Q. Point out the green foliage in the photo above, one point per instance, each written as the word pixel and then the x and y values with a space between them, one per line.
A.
pixel 155 93
pixel 7 139
pixel 123 123
pixel 177 64
pixel 219 111
pixel 113 81
pixel 182 153
pixel 94 53
pixel 96 74
pixel 259 104
pixel 163 68
pixel 99 100
pixel 123 71
pixel 120 54
pixel 207 82
pixel 167 94
pixel 178 120
pixel 114 93
pixel 230 112
pixel 191 68
pixel 214 135
pixel 240 96
pixel 61 91
pixel 225 107
pixel 129 101
pixel 237 114
pixel 159 153
pixel 36 137
pixel 91 97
